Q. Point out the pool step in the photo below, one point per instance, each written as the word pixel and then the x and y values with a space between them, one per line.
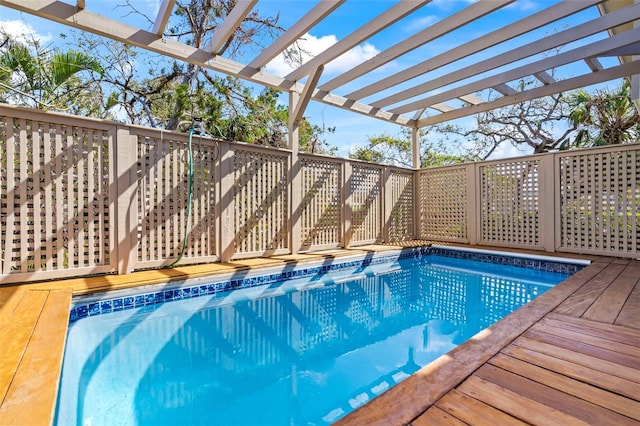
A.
pixel 33 327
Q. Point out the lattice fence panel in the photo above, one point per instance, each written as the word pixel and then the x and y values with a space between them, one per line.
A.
pixel 261 199
pixel 321 202
pixel 54 201
pixel 600 201
pixel 443 204
pixel 509 210
pixel 366 203
pixel 163 186
pixel 401 223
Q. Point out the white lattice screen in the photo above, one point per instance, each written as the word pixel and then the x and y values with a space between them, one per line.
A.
pixel 163 188
pixel 54 199
pixel 366 203
pixel 65 200
pixel 320 217
pixel 600 201
pixel 401 225
pixel 260 200
pixel 509 194
pixel 443 204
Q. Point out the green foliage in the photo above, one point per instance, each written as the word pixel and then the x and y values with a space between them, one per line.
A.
pixel 397 150
pixel 49 79
pixel 604 117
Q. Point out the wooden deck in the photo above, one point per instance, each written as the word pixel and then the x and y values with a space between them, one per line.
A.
pixel 572 356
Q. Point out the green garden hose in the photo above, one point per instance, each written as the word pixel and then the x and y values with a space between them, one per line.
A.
pixel 189 199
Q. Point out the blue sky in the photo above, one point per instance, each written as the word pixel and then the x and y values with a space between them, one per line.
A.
pixel 351 129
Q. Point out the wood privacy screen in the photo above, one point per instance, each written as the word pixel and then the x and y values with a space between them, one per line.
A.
pixel 83 196
pixel 583 201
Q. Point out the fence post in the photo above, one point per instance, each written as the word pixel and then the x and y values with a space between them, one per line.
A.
pixel 226 240
pixel 417 203
pixel 473 203
pixel 387 204
pixel 547 187
pixel 347 209
pixel 124 191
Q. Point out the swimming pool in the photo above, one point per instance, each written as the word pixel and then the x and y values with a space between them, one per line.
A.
pixel 295 346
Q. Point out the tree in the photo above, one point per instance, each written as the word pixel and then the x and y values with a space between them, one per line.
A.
pixel 171 95
pixel 605 117
pixel 49 79
pixel 539 123
pixel 397 150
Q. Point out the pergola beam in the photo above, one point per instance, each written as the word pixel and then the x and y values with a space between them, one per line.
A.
pixel 164 13
pixel 305 97
pixel 392 15
pixel 322 9
pixel 493 38
pixel 504 89
pixel 584 80
pixel 593 64
pixel 523 71
pixel 85 20
pixel 586 29
pixel 439 29
pixel 544 77
pixel 230 24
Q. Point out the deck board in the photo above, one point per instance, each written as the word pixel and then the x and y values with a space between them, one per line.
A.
pixel 560 382
pixel 38 372
pixel 581 301
pixel 16 334
pixel 471 410
pixel 607 307
pixel 520 406
pixel 629 316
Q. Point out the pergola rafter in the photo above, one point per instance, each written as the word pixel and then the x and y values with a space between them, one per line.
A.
pixel 397 93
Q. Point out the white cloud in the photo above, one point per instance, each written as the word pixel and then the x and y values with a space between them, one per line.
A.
pixel 23 32
pixel 316 45
pixel 420 23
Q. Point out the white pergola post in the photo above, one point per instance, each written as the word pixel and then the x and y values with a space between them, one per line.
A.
pixel 415 144
pixel 295 186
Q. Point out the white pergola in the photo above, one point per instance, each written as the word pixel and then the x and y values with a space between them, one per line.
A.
pixel 426 103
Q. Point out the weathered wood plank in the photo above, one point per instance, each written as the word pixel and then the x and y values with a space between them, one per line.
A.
pixel 528 410
pixel 36 379
pixel 559 381
pixel 585 348
pixel 581 300
pixel 574 370
pixel 475 412
pixel 607 307
pixel 584 338
pixel 551 398
pixel 630 313
pixel 437 417
pixel 16 334
pixel 587 360
pixel 614 333
pixel 10 297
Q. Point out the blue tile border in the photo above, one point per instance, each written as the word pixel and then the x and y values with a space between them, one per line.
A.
pixel 499 259
pixel 84 310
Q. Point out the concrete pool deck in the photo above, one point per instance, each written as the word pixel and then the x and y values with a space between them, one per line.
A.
pixel 570 356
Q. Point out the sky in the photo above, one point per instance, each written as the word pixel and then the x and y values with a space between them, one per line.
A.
pixel 351 129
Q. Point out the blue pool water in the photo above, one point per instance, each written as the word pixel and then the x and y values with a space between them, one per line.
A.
pixel 305 351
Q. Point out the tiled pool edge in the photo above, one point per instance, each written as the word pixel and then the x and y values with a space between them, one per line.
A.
pixel 81 310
